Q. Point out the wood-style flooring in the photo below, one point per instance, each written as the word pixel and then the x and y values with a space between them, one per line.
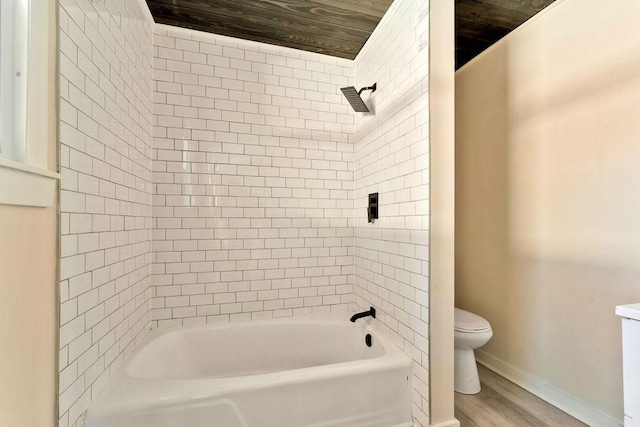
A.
pixel 501 403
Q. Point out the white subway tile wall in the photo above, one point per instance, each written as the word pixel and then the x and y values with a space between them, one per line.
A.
pixel 105 57
pixel 392 159
pixel 209 179
pixel 252 180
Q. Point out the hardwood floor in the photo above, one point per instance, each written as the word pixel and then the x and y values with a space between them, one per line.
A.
pixel 503 404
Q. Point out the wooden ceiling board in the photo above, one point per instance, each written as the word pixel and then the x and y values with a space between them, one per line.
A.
pixel 254 30
pixel 529 7
pixel 337 28
pixel 374 7
pixel 479 30
pixel 481 23
pixel 233 13
pixel 474 10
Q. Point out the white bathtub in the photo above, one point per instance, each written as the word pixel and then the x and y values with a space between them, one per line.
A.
pixel 312 371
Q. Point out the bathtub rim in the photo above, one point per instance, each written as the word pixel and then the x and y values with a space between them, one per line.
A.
pixel 365 326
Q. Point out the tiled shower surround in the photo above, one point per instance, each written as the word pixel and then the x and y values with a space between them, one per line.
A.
pixel 392 159
pixel 253 180
pixel 105 201
pixel 210 179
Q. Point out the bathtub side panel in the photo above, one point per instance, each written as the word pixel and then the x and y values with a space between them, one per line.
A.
pixel 371 399
pixel 379 397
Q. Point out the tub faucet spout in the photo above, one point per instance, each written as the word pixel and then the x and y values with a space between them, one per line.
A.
pixel 371 312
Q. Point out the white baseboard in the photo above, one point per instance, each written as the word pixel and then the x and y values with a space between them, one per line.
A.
pixel 451 423
pixel 548 393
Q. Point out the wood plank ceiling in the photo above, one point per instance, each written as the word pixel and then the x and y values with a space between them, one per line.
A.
pixel 481 23
pixel 332 27
pixel 337 27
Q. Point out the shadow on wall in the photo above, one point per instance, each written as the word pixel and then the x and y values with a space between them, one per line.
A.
pixel 482 189
pixel 547 242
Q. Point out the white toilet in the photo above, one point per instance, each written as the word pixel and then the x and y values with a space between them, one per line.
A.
pixel 470 332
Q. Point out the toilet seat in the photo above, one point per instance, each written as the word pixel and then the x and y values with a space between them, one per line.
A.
pixel 469 322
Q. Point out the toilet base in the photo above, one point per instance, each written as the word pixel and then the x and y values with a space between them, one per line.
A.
pixel 466 380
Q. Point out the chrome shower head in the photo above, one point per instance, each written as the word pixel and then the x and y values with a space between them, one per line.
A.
pixel 353 96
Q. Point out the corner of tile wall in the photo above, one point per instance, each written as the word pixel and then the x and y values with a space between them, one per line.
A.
pixel 105 128
pixel 392 159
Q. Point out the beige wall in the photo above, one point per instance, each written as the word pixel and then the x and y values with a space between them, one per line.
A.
pixel 28 297
pixel 548 195
pixel 27 316
pixel 442 176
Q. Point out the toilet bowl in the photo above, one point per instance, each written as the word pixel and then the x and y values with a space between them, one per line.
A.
pixel 470 332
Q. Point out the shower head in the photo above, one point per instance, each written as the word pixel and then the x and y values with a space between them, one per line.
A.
pixel 354 99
